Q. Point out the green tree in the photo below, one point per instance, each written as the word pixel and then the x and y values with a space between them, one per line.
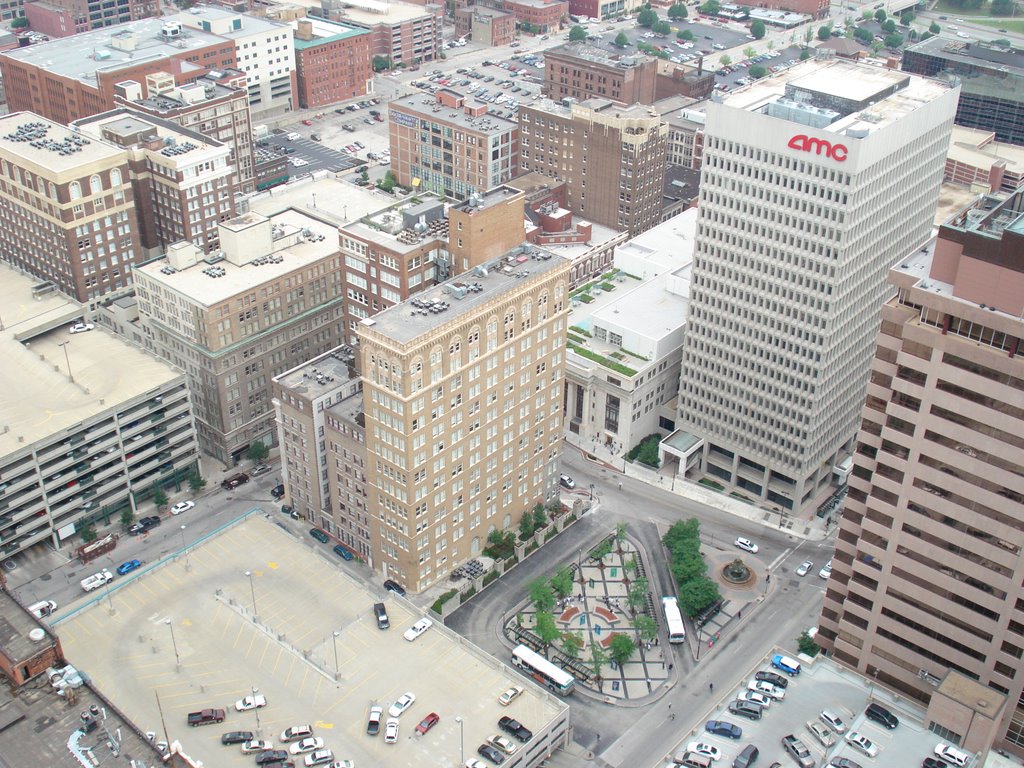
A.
pixel 685 34
pixel 19 23
pixel 697 594
pixel 867 15
pixel 934 28
pixel 540 518
pixel 621 529
pixel 572 644
pixel 621 40
pixel 546 629
pixel 500 545
pixel 808 34
pixel 824 32
pixel 602 550
pixel 771 45
pixel 577 33
pixel 876 47
pixel 196 482
pixel 881 15
pixel 889 25
pixel 88 533
pixel 647 17
pixel 257 451
pixel 711 8
pixel 127 517
pixel 598 658
pixel 677 11
pixel 806 645
pixel 159 496
pixel 525 526
pixel 661 28
pixel 805 54
pixel 622 648
pixel 725 60
pixel 636 598
pixel 1000 43
pixel 750 52
pixel 630 565
pixel 893 41
pixel 387 183
pixel 364 174
pixel 541 595
pixel 999 7
pixel 561 582
pixel 757 29
pixel 646 627
pixel 381 63
pixel 908 16
pixel 864 35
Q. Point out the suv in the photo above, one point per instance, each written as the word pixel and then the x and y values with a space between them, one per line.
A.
pixel 747 757
pixel 515 728
pixel 382 616
pixel 798 750
pixel 881 715
pixel 278 491
pixel 234 481
pixel 747 709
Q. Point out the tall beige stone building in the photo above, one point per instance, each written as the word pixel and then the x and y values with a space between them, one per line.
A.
pixel 462 396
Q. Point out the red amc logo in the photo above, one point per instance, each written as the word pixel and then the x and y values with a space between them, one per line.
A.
pixel 837 152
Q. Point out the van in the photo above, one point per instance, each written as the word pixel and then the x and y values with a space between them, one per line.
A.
pixel 293 136
pixel 693 760
pixel 296 733
pixel 784 663
pixel 746 758
pixel 382 616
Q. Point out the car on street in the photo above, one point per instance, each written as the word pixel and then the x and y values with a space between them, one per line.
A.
pixel 509 695
pixel 252 701
pixel 234 481
pixel 143 525
pixel 427 723
pixel 182 506
pixel 256 745
pixel 343 552
pixel 307 122
pixel 746 545
pixel 277 491
pixel 128 567
pixel 490 753
pixel 81 327
pixel 391 730
pixel 373 721
pixel 261 469
pixel 96 580
pixel 418 629
pixel 319 535
pixel 403 703
pixel 861 743
pixel 394 586
pixel 566 482
pixel 951 754
pixel 724 728
pixel 826 570
pixel 804 568
pixel 703 748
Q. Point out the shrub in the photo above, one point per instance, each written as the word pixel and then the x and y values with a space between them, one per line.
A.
pixel 806 645
pixel 436 607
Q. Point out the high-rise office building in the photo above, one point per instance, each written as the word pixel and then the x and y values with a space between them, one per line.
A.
pixel 815 181
pixel 926 575
pixel 462 395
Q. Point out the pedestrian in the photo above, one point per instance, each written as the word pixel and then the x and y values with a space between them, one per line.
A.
pixel 620 485
pixel 672 716
pixel 670 705
pixel 711 687
pixel 670 667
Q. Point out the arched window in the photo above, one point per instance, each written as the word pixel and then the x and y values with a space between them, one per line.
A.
pixel 95 185
pixel 75 190
pixel 115 178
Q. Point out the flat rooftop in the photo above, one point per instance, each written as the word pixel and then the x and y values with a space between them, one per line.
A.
pixel 396 13
pixel 386 227
pixel 182 146
pixel 422 106
pixel 324 32
pixel 29 139
pixel 316 377
pixel 844 80
pixel 331 199
pixel 203 289
pixel 976 54
pixel 250 25
pixel 594 55
pixel 406 321
pixel 301 629
pixel 977 148
pixel 37 399
pixel 15 626
pixel 603 107
pixel 79 57
pixel 209 89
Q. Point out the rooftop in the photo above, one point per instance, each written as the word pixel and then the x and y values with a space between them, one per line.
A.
pixel 250 25
pixel 426 106
pixel 210 89
pixel 124 127
pixel 394 227
pixel 395 13
pixel 37 399
pixel 316 377
pixel 35 141
pixel 330 198
pixel 441 304
pixel 980 149
pixel 602 107
pixel 80 57
pixel 977 54
pixel 595 55
pixel 15 628
pixel 207 283
pixel 324 32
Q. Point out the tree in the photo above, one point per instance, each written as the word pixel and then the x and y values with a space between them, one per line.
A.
pixel 196 482
pixel 697 594
pixel 867 15
pixel 725 60
pixel 159 496
pixel 999 8
pixel 387 183
pixel 598 658
pixel 685 34
pixel 541 595
pixel 805 54
pixel 540 517
pixel 750 52
pixel 577 33
pixel 88 534
pixel 806 645
pixel 889 25
pixel 647 17
pixel 572 644
pixel 500 545
pixel 771 45
pixel 1000 43
pixel 934 28
pixel 757 29
pixel 364 174
pixel 808 34
pixel 646 627
pixel 881 15
pixel 864 35
pixel 381 63
pixel 257 451
pixel 622 648
pixel 602 550
pixel 546 629
pixel 677 11
pixel 661 28
pixel 22 23
pixel 561 582
pixel 127 517
pixel 757 71
pixel 636 598
pixel 621 40
pixel 876 47
pixel 711 8
pixel 621 529
pixel 525 526
pixel 824 32
pixel 893 41
pixel 908 16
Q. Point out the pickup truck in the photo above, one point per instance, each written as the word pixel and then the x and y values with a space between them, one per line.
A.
pixel 97 580
pixel 205 717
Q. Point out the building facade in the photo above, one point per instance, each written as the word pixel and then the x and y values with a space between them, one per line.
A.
pixel 603 9
pixel 69 209
pixel 486 26
pixel 234 320
pixel 925 580
pixel 976 160
pixel 334 62
pixel 581 71
pixel 543 16
pixel 462 390
pixel 442 144
pixel 62 18
pixel 402 33
pixel 611 157
pixel 814 182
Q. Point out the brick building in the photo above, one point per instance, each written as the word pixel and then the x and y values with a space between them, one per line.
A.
pixel 403 33
pixel 63 18
pixel 334 62
pixel 486 26
pixel 581 71
pixel 542 15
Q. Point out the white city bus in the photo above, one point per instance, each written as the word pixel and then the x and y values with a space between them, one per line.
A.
pixel 543 671
pixel 673 620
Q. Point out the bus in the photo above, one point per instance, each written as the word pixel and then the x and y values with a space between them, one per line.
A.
pixel 543 671
pixel 673 620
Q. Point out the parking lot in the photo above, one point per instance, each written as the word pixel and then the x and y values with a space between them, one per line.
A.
pixel 306 156
pixel 185 631
pixel 821 686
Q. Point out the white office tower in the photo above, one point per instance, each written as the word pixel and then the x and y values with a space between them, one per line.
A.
pixel 815 182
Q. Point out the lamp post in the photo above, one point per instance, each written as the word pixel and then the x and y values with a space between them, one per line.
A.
pixel 184 546
pixel 256 709
pixel 174 644
pixel 462 741
pixel 67 359
pixel 337 671
pixel 314 199
pixel 252 591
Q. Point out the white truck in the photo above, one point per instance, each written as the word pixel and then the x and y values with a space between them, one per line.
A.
pixel 97 580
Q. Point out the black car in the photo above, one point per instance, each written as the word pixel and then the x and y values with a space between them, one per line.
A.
pixel 278 491
pixel 271 756
pixel 394 586
pixel 770 677
pixel 724 728
pixel 489 752
pixel 929 762
pixel 236 737
pixel 319 535
pixel 881 715
pixel 143 525
pixel 845 762
pixel 515 729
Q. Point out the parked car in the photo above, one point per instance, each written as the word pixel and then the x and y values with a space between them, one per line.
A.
pixel 861 743
pixel 490 753
pixel 320 757
pixel 403 703
pixel 832 720
pixel 235 737
pixel 418 629
pixel 747 709
pixel 261 469
pixel 822 734
pixel 798 751
pixel 252 701
pixel 951 754
pixel 705 749
pixel 42 609
pixel 296 732
pixel 319 535
pixel 128 567
pixel 373 720
pixel 277 491
pixel 566 482
pixel 143 525
pixel 845 762
pixel 766 688
pixel 515 729
pixel 391 730
pixel 755 698
pixel 308 744
pixel 826 570
pixel 771 677
pixel 427 723
pixel 271 757
pixel 502 743
pixel 394 586
pixel 256 745
pixel 182 506
pixel 881 715
pixel 509 695
pixel 81 327
pixel 724 728
pixel 207 717
pixel 234 481
pixel 96 580
pixel 343 552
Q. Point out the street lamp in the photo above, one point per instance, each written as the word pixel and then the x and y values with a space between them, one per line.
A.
pixel 462 741
pixel 337 671
pixel 256 709
pixel 67 359
pixel 252 591
pixel 174 644
pixel 184 546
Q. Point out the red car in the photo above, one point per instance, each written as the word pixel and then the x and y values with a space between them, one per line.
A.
pixel 307 122
pixel 427 723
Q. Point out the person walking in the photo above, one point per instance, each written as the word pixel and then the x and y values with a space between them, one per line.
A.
pixel 711 687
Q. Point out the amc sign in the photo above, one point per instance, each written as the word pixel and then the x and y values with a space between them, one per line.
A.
pixel 837 152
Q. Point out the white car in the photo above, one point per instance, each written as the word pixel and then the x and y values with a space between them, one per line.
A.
pixel 417 629
pixel 951 754
pixel 756 698
pixel 505 745
pixel 703 748
pixel 826 571
pixel 474 763
pixel 320 757
pixel 256 701
pixel 182 506
pixel 404 702
pixel 746 545
pixel 509 695
pixel 42 609
pixel 769 690
pixel 804 568
pixel 256 745
pixel 308 744
pixel 81 327
pixel 97 580
pixel 391 730
pixel 861 743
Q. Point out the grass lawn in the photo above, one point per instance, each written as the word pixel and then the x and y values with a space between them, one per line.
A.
pixel 1010 25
